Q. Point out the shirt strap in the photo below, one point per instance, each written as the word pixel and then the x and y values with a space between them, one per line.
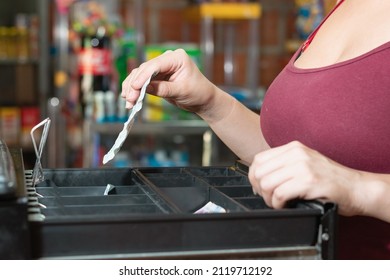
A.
pixel 313 34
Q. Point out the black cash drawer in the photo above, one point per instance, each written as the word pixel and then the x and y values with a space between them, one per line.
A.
pixel 149 213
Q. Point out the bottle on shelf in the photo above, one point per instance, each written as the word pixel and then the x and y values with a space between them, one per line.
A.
pixel 95 69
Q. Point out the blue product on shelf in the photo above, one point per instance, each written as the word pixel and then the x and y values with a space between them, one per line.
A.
pixel 309 15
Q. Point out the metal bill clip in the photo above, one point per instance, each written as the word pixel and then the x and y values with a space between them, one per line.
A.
pixel 37 171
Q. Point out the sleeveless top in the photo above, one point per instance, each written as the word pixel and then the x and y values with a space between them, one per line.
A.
pixel 342 111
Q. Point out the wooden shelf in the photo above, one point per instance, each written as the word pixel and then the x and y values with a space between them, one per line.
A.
pixel 18 61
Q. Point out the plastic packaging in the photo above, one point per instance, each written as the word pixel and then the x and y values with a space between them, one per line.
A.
pixel 99 106
pixel 109 101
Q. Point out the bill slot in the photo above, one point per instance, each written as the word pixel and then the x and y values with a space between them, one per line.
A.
pixel 88 190
pixel 101 210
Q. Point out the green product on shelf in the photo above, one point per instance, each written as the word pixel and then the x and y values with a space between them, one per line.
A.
pixel 158 109
pixel 193 50
pixel 127 56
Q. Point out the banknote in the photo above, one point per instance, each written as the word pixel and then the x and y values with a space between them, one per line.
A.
pixel 210 207
pixel 127 125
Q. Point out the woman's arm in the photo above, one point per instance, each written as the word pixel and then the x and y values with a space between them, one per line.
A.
pixel 236 125
pixel 178 80
pixel 373 194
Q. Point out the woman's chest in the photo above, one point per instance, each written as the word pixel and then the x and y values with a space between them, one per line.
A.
pixel 342 111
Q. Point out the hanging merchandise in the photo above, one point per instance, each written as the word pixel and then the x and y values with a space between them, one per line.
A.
pixel 63 5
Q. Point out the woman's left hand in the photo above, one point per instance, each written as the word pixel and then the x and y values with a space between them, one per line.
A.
pixel 294 171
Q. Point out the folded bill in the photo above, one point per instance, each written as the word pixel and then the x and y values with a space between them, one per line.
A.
pixel 127 125
pixel 210 207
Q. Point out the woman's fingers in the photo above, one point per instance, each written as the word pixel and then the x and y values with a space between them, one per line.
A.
pixel 289 172
pixel 161 68
pixel 267 162
pixel 278 185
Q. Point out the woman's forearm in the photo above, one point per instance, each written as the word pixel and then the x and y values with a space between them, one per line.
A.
pixel 373 194
pixel 236 125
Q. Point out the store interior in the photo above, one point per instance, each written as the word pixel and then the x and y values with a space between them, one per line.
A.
pixel 66 59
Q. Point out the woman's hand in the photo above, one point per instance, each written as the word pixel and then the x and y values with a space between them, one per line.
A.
pixel 294 171
pixel 176 78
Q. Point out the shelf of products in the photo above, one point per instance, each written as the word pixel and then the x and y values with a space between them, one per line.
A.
pixel 160 122
pixel 24 72
pixel 101 42
pixel 175 136
pixel 93 127
pixel 227 14
pixel 106 43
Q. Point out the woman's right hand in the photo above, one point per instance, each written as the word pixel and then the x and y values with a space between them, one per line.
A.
pixel 176 78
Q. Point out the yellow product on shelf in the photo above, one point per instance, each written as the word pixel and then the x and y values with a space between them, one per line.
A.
pixel 153 110
pixel 225 11
pixel 3 42
pixel 22 44
pixel 158 109
pixel 12 43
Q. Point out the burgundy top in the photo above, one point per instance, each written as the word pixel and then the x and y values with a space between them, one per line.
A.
pixel 342 111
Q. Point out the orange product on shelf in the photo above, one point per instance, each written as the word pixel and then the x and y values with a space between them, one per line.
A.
pixel 10 125
pixel 29 117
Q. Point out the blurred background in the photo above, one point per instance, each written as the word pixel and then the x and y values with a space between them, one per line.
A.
pixel 66 60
